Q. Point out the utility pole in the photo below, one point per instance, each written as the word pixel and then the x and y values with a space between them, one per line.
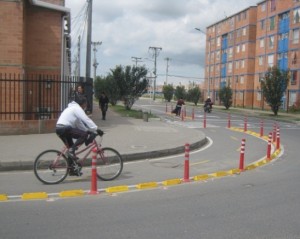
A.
pixel 95 44
pixel 155 54
pixel 167 70
pixel 78 58
pixel 89 41
pixel 136 59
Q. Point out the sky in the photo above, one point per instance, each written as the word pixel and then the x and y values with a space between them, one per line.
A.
pixel 128 28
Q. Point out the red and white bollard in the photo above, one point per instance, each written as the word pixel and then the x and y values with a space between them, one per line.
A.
pixel 278 138
pixel 261 128
pixel 94 189
pixel 245 124
pixel 204 120
pixel 229 124
pixel 269 146
pixel 186 176
pixel 242 155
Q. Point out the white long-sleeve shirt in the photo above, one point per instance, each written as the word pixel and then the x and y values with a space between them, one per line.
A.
pixel 75 117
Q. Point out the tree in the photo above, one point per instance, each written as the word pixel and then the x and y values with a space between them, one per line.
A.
pixel 108 85
pixel 193 95
pixel 168 91
pixel 273 86
pixel 131 82
pixel 225 94
pixel 180 92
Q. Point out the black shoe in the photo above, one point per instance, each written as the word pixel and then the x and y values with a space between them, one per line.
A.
pixel 75 169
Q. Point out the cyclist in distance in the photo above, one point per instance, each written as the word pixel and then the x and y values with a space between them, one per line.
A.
pixel 73 123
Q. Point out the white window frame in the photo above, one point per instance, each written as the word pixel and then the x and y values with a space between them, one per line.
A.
pixel 271 60
pixel 295 35
pixel 262 43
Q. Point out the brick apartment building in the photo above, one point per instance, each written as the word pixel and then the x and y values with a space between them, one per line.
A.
pixel 34 45
pixel 241 48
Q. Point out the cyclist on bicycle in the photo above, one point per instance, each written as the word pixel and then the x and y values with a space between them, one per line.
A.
pixel 73 123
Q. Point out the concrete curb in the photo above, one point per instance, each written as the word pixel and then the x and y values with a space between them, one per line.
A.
pixel 28 165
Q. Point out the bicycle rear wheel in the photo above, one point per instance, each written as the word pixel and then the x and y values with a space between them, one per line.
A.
pixel 109 164
pixel 51 167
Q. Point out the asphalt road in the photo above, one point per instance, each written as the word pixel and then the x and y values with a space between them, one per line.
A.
pixel 261 203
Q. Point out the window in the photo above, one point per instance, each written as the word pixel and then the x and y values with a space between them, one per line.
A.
pixel 230 52
pixel 294 77
pixel 237 48
pixel 237 64
pixel 272 23
pixel 271 42
pixel 260 60
pixel 217 55
pixel 230 67
pixel 262 24
pixel 262 43
pixel 244 31
pixel 218 41
pixel 294 57
pixel 242 80
pixel 243 63
pixel 263 7
pixel 273 5
pixel 295 37
pixel 270 60
pixel 297 15
pixel 243 47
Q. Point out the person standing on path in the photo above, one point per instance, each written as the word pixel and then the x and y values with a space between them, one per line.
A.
pixel 103 104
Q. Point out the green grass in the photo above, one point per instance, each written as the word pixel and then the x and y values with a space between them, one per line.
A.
pixel 137 114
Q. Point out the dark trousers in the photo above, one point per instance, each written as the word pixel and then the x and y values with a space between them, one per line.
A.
pixel 67 134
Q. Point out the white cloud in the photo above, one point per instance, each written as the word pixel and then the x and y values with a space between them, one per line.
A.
pixel 129 27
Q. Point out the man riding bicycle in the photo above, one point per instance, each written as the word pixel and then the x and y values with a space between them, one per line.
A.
pixel 73 123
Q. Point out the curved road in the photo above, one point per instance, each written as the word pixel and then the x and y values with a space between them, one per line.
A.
pixel 261 203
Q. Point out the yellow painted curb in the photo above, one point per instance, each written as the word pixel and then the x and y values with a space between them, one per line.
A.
pixel 116 189
pixel 36 195
pixel 201 177
pixel 251 166
pixel 170 182
pixel 71 193
pixel 234 171
pixel 219 174
pixel 260 163
pixel 3 197
pixel 146 185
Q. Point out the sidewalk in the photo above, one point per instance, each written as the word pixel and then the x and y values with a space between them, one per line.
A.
pixel 133 138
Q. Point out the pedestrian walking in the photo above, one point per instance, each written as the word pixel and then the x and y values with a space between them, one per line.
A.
pixel 103 104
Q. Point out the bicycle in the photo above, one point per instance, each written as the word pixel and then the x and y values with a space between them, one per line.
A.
pixel 52 166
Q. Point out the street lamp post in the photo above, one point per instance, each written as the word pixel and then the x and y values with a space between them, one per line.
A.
pixel 209 49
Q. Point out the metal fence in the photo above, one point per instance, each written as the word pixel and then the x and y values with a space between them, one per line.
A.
pixel 32 97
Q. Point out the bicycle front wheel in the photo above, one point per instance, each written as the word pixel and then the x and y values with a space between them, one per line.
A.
pixel 109 164
pixel 51 167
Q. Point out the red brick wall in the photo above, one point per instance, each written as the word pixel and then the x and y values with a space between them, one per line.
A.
pixel 11 37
